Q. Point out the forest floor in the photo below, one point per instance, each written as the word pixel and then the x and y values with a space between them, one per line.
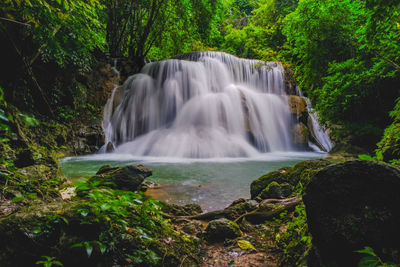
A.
pixel 264 251
pixel 218 255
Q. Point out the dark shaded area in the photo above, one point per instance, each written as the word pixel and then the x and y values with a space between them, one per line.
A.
pixel 352 205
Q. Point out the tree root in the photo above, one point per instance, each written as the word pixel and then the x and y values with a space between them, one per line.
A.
pixel 267 209
pixel 262 213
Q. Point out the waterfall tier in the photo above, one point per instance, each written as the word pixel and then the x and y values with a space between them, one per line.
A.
pixel 201 105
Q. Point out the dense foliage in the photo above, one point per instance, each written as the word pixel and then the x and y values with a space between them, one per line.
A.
pixel 253 29
pixel 159 28
pixel 345 55
pixel 52 44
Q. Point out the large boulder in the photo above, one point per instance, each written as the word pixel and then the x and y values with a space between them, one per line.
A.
pixel 352 205
pixel 126 178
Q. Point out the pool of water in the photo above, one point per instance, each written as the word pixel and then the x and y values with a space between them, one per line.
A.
pixel 211 183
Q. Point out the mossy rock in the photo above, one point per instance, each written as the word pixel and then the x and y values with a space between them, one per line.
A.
pixel 297 176
pixel 192 227
pixel 275 190
pixel 125 178
pixel 186 210
pixel 303 171
pixel 279 176
pixel 220 230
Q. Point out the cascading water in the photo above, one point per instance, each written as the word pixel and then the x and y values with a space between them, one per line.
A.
pixel 201 105
pixel 108 111
pixel 321 136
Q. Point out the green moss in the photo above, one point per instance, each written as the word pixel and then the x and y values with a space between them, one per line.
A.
pixel 297 177
pixel 295 241
pixel 276 190
pixel 279 176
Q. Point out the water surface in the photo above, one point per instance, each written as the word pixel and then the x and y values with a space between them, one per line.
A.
pixel 211 183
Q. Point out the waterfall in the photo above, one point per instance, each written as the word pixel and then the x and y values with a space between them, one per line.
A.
pixel 106 124
pixel 320 135
pixel 201 105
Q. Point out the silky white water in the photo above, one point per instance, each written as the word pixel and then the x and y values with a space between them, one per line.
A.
pixel 203 105
pixel 320 134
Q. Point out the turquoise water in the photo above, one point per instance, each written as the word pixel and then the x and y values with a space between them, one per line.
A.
pixel 211 183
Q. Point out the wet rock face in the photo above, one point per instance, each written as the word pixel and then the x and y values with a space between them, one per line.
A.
pixel 352 205
pixel 297 105
pixel 221 229
pixel 300 129
pixel 87 138
pixel 300 134
pixel 125 178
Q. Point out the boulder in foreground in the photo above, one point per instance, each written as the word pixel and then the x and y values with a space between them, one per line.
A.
pixel 352 205
pixel 125 178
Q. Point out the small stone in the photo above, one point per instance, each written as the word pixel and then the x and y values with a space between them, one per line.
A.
pixel 68 193
pixel 192 227
pixel 221 229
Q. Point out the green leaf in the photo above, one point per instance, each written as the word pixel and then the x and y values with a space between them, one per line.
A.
pixel 105 207
pixel 366 157
pixel 367 250
pixel 369 261
pixel 89 248
pixel 32 196
pixel 17 199
pixel 3 115
pixel 245 245
pixel 102 247
pixel 65 220
pixel 77 245
pixel 84 213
